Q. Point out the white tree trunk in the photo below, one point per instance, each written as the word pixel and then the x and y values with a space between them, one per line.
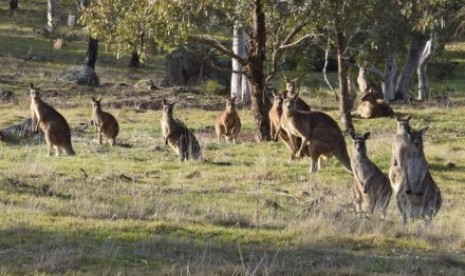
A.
pixel 245 89
pixel 236 66
pixel 428 52
pixel 388 85
pixel 52 15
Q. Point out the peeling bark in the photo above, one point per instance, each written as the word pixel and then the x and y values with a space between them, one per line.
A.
pixel 428 52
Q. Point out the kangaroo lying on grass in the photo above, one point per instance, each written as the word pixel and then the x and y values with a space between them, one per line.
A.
pixel 317 129
pixel 178 136
pixel 228 123
pixel 372 107
pixel 417 196
pixel 371 187
pixel 104 122
pixel 275 118
pixel 56 130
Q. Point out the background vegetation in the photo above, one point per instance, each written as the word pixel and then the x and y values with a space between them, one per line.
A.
pixel 135 209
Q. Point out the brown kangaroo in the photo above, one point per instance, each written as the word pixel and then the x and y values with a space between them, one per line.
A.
pixel 371 187
pixel 56 130
pixel 399 151
pixel 228 123
pixel 104 122
pixel 371 107
pixel 318 129
pixel 291 91
pixel 418 195
pixel 178 136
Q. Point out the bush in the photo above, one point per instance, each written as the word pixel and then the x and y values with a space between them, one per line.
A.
pixel 213 87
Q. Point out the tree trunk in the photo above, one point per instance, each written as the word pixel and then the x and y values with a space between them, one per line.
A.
pixel 236 77
pixel 388 84
pixel 254 70
pixel 52 15
pixel 92 50
pixel 428 52
pixel 417 45
pixel 344 103
pixel 13 4
pixel 134 62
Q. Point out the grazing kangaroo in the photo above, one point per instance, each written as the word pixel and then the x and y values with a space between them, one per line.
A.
pixel 56 130
pixel 291 91
pixel 317 129
pixel 372 107
pixel 418 195
pixel 104 122
pixel 228 124
pixel 371 187
pixel 178 136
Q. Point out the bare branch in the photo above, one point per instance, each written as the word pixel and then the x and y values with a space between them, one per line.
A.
pixel 211 41
pixel 283 47
pixel 325 75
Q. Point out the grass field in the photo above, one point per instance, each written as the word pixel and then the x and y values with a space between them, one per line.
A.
pixel 134 209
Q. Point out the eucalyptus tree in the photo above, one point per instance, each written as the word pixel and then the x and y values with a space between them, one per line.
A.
pixel 126 25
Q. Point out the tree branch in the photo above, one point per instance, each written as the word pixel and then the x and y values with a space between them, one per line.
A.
pixel 214 43
pixel 325 75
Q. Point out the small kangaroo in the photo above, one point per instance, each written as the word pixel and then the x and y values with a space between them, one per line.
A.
pixel 56 130
pixel 275 120
pixel 105 123
pixel 178 136
pixel 318 129
pixel 371 187
pixel 418 196
pixel 228 123
pixel 291 91
pixel 399 152
pixel 372 107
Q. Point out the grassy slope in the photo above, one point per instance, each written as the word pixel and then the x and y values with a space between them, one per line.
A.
pixel 138 210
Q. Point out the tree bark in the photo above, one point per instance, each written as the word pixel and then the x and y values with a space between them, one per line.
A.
pixel 404 80
pixel 52 15
pixel 255 72
pixel 344 103
pixel 92 51
pixel 236 76
pixel 428 52
pixel 388 84
pixel 134 62
pixel 13 4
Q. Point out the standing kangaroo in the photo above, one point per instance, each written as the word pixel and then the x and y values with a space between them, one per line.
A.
pixel 56 130
pixel 317 129
pixel 371 188
pixel 178 136
pixel 399 151
pixel 104 122
pixel 228 123
pixel 418 196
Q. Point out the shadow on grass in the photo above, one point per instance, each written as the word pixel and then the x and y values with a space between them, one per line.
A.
pixel 175 250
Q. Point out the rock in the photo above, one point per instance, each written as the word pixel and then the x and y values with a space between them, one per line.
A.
pixel 6 96
pixel 21 130
pixel 83 75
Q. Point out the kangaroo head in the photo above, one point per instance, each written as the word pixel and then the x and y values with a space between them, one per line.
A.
pixel 35 92
pixel 416 137
pixel 291 86
pixel 277 99
pixel 359 141
pixel 96 103
pixel 167 107
pixel 403 126
pixel 230 103
pixel 289 103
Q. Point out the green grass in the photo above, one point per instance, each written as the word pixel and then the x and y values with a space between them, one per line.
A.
pixel 135 209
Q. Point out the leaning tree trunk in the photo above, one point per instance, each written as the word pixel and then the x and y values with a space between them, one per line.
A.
pixel 13 4
pixel 344 103
pixel 423 88
pixel 52 15
pixel 388 85
pixel 417 45
pixel 255 72
pixel 92 50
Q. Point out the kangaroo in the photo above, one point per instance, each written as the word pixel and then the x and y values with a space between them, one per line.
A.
pixel 275 117
pixel 178 136
pixel 291 91
pixel 318 129
pixel 365 84
pixel 399 151
pixel 371 187
pixel 104 122
pixel 372 107
pixel 56 130
pixel 418 195
pixel 228 123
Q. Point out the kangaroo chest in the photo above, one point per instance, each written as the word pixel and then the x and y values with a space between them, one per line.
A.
pixel 363 168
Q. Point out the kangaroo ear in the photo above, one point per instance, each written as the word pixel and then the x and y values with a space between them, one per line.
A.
pixel 366 135
pixel 99 99
pixel 92 98
pixel 163 100
pixel 288 79
pixel 31 85
pixel 423 130
pixel 407 118
pixel 352 135
pixel 234 98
